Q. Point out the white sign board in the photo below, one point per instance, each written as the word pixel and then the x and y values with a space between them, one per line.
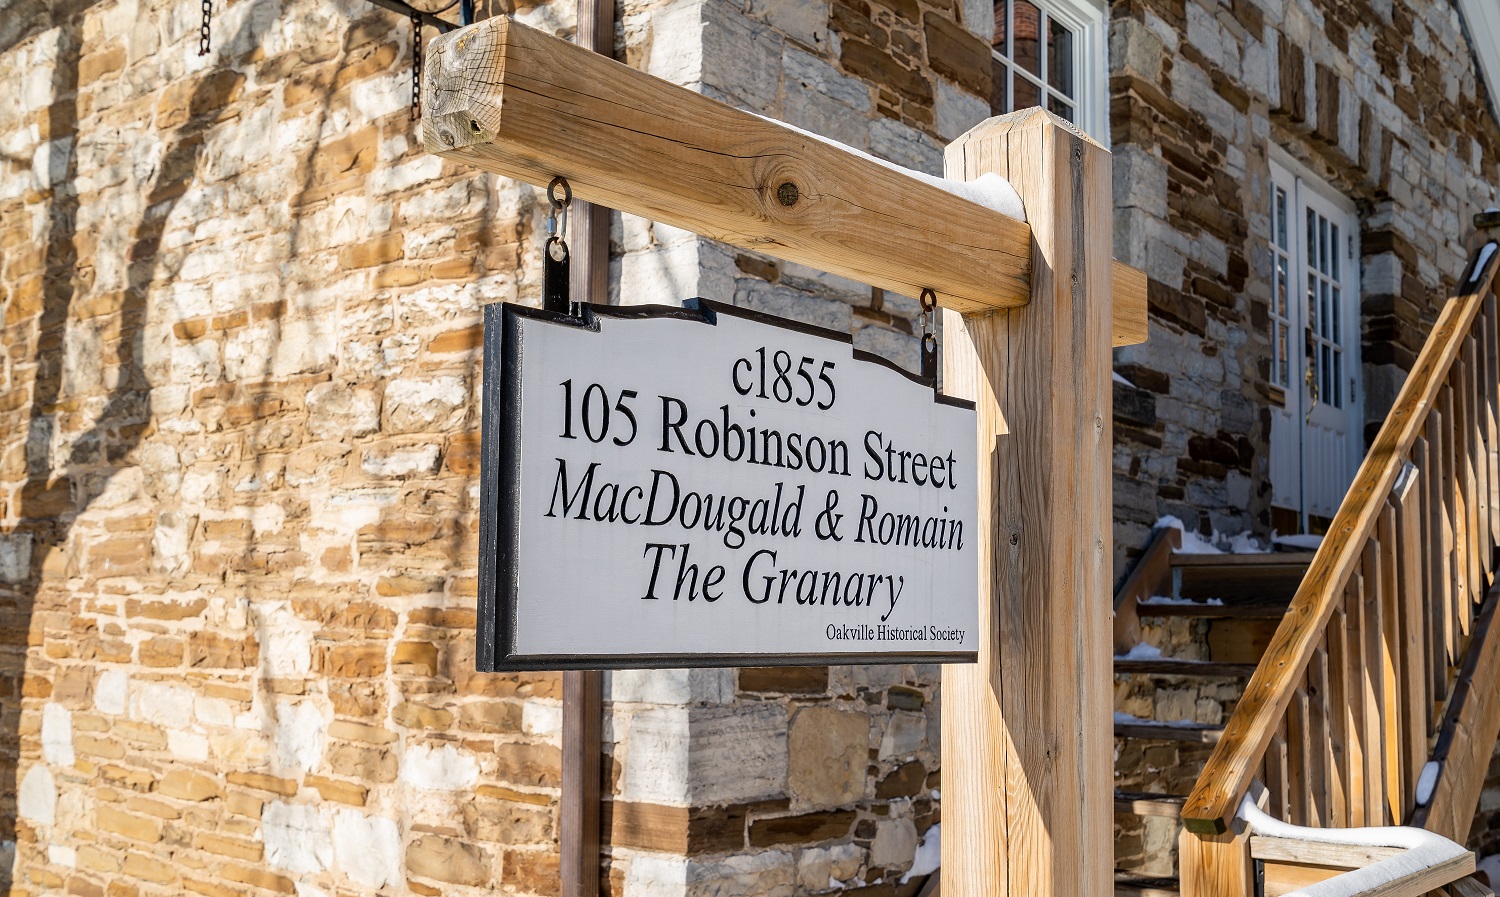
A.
pixel 668 487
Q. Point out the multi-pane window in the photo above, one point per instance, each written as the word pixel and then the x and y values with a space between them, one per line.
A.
pixel 1035 60
pixel 1281 288
pixel 1052 53
pixel 1324 304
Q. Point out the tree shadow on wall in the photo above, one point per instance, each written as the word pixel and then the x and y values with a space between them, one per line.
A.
pixel 61 483
pixel 75 447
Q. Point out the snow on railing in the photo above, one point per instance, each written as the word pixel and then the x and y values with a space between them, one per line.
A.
pixel 1424 850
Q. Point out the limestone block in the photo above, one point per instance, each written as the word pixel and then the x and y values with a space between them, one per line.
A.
pixel 814 111
pixel 1140 180
pixel 15 556
pixel 906 146
pixel 303 346
pixel 957 110
pixel 37 798
pixel 899 348
pixel 367 849
pixel 668 275
pixel 655 875
pixel 821 868
pixel 711 686
pixel 285 642
pixel 57 734
pixel 183 745
pixel 668 55
pixel 542 718
pixel 802 21
pixel 169 706
pixel 772 873
pixel 400 461
pixel 448 859
pixel 827 753
pixel 742 58
pixel 413 406
pixel 299 735
pixel 785 302
pixel 110 692
pixel 736 753
pixel 823 284
pixel 895 842
pixel 904 736
pixel 298 837
pixel 440 768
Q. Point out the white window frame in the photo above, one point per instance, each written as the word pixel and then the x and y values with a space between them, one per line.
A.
pixel 1089 22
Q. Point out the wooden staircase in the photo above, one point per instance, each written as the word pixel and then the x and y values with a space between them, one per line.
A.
pixel 1220 610
pixel 1372 701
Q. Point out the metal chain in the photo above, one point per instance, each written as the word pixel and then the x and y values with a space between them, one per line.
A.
pixel 556 277
pixel 927 322
pixel 203 30
pixel 416 65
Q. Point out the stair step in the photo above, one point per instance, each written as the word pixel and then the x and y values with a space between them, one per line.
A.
pixel 1240 578
pixel 1153 731
pixel 1204 610
pixel 1147 803
pixel 1245 561
pixel 1468 887
pixel 1139 886
pixel 1166 666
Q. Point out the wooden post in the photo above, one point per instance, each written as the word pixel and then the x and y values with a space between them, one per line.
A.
pixel 1027 741
pixel 1215 865
pixel 583 690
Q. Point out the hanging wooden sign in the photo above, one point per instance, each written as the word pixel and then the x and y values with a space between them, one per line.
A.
pixel 707 486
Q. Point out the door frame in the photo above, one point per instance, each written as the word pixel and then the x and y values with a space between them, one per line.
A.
pixel 1309 189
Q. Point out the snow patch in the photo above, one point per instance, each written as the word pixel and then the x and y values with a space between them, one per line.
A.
pixel 1423 850
pixel 1490 867
pixel 1214 543
pixel 929 855
pixel 1302 542
pixel 1484 260
pixel 1142 651
pixel 1427 781
pixel 1122 718
pixel 1169 601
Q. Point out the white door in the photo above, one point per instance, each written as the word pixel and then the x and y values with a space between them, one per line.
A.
pixel 1316 438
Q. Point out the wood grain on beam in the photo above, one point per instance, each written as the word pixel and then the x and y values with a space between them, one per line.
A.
pixel 512 100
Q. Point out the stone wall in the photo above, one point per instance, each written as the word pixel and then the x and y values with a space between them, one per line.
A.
pixel 238 459
pixel 1379 97
pixel 238 423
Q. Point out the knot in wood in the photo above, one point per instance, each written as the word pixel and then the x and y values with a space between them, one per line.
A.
pixel 787 194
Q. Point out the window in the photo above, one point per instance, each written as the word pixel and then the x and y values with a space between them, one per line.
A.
pixel 1324 304
pixel 1281 312
pixel 1050 53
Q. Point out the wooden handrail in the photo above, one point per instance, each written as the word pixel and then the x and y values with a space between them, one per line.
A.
pixel 1144 582
pixel 1236 758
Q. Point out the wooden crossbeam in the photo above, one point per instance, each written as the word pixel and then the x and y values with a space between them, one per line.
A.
pixel 512 100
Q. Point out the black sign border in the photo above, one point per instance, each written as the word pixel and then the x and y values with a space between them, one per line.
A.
pixel 500 494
